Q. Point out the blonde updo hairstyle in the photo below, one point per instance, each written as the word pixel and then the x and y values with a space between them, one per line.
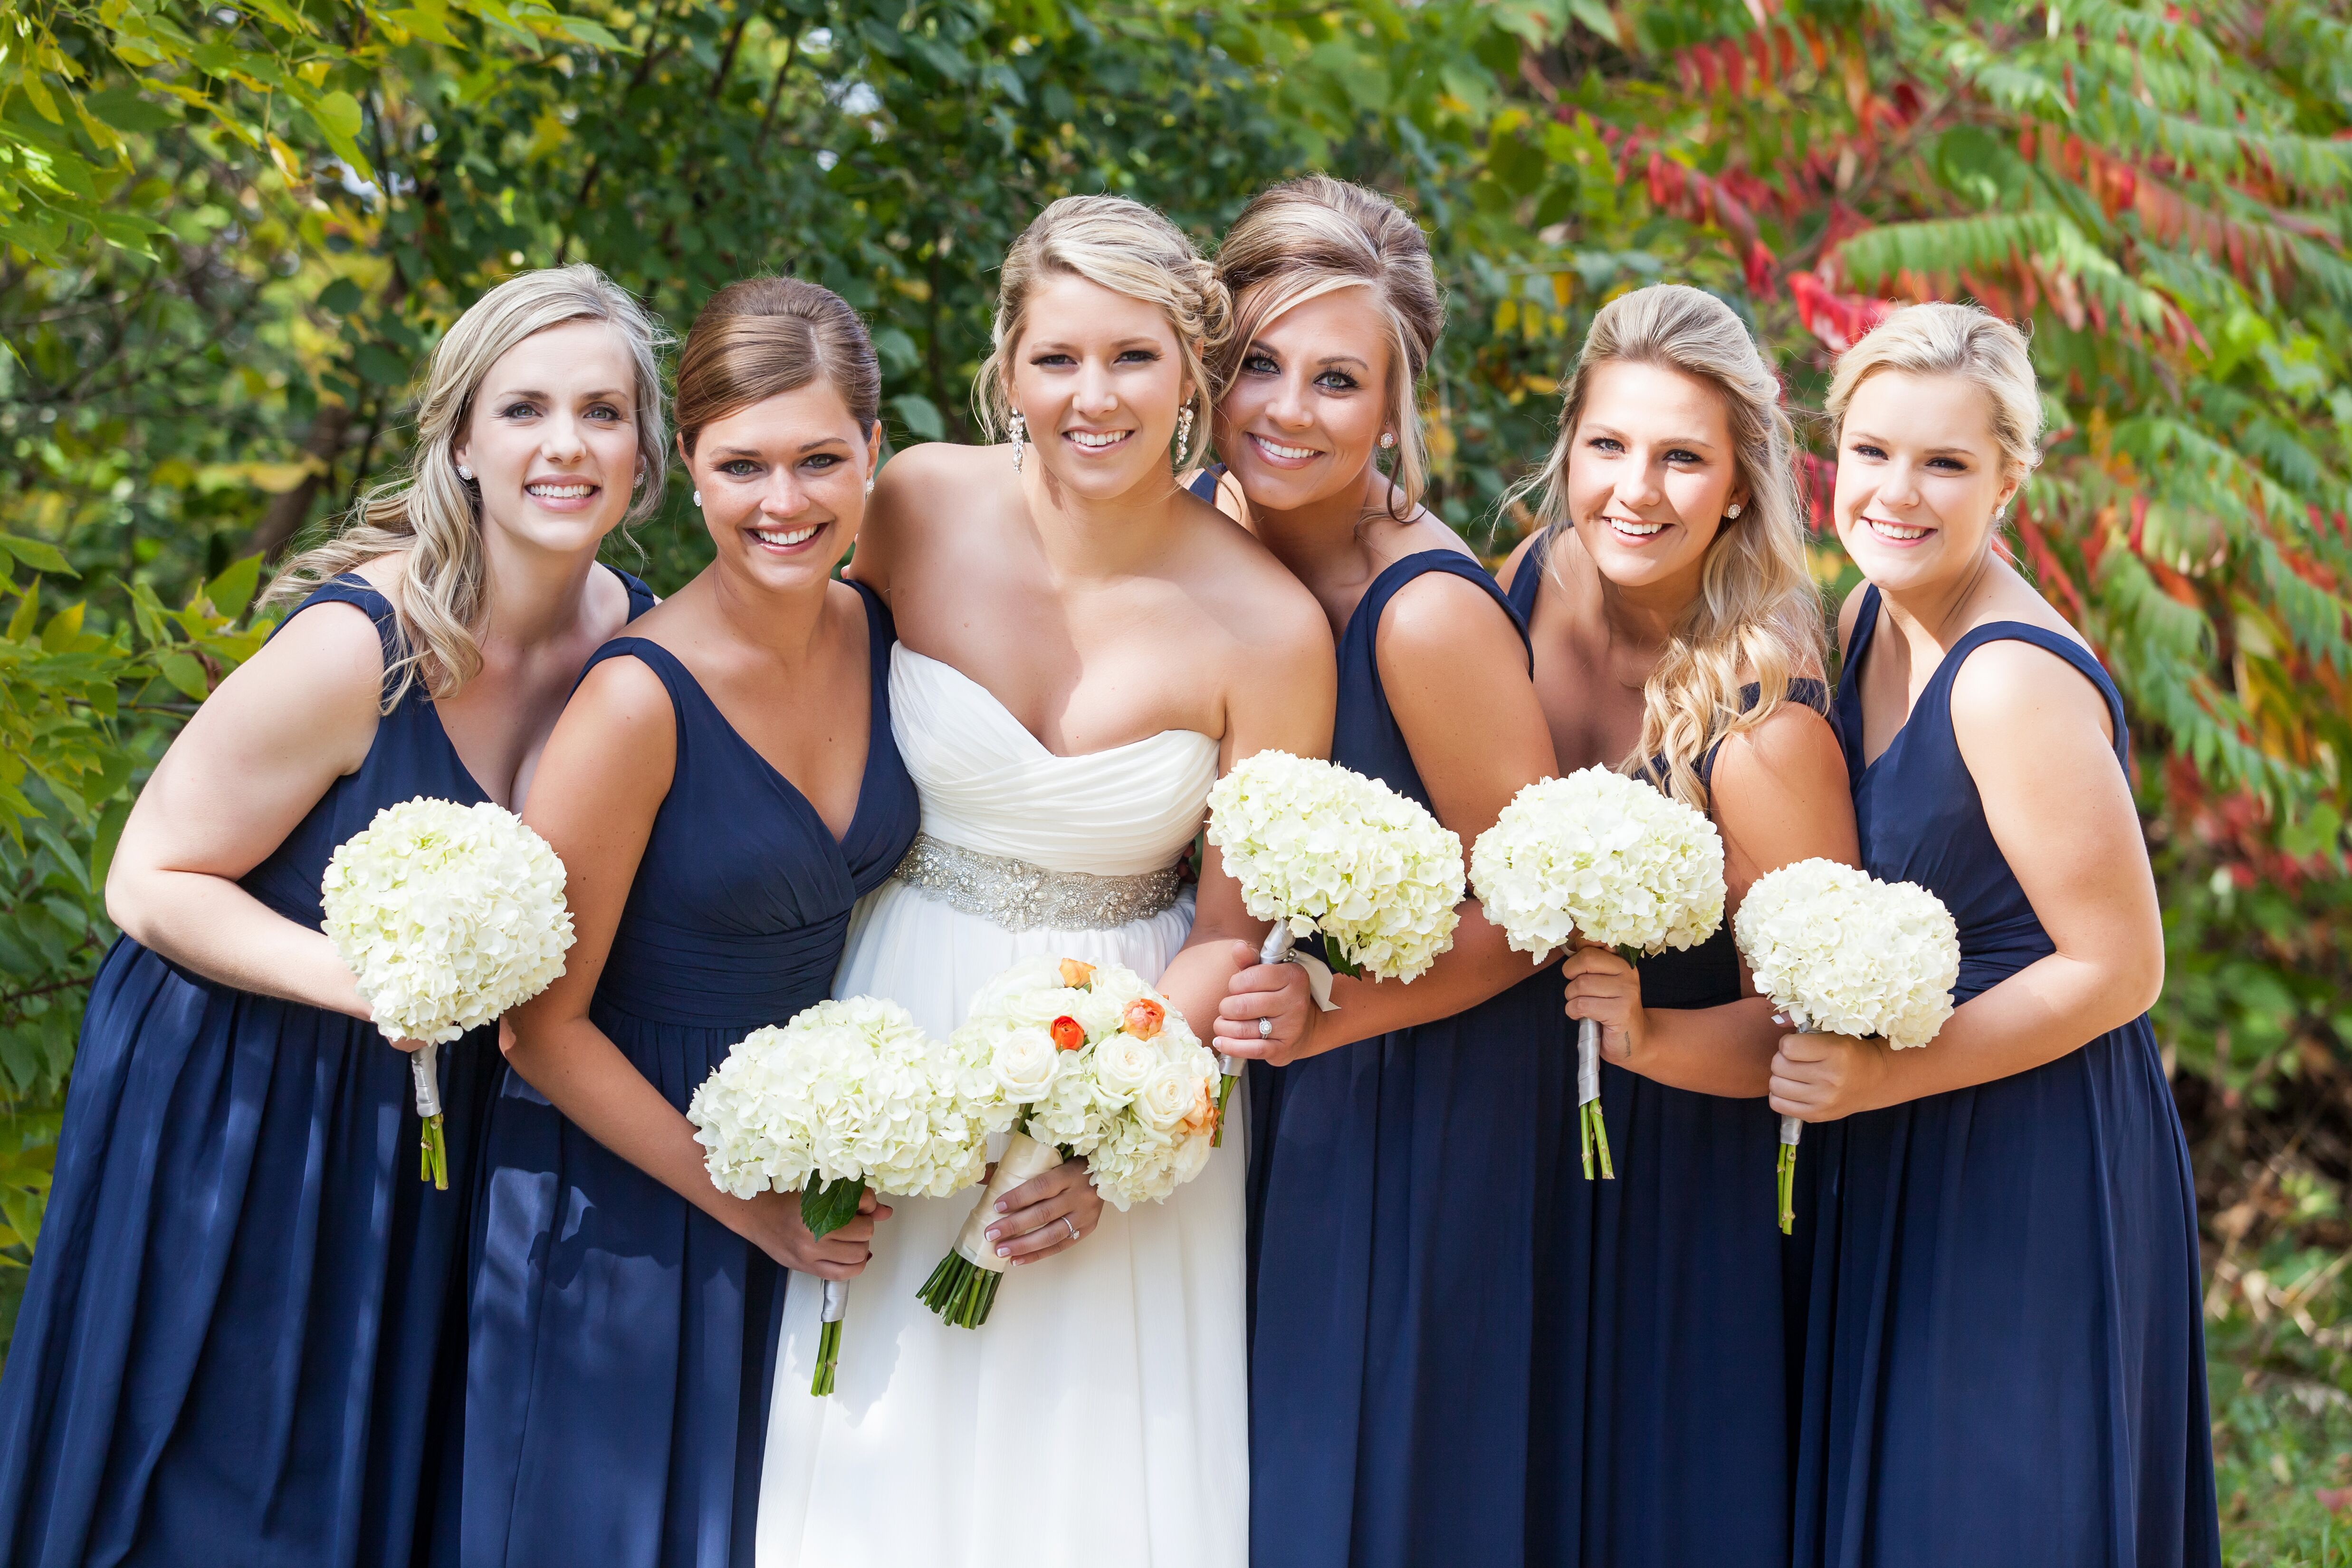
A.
pixel 1963 341
pixel 1128 248
pixel 1758 616
pixel 1307 238
pixel 431 518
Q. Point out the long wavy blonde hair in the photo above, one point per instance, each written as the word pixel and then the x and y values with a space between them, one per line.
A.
pixel 1305 237
pixel 1123 246
pixel 1758 616
pixel 431 518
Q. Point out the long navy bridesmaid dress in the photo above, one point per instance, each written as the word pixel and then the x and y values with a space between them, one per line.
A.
pixel 622 1341
pixel 1664 1405
pixel 1395 1229
pixel 244 1331
pixel 2004 1363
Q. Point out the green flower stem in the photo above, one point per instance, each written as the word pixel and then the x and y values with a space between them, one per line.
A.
pixel 1224 1093
pixel 434 1163
pixel 1787 1189
pixel 828 1356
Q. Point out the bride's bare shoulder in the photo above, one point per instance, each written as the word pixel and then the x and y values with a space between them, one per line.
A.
pixel 1246 591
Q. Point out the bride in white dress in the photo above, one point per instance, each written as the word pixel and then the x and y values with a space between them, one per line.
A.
pixel 1084 648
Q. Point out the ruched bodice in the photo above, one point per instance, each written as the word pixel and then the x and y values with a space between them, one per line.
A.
pixel 987 783
pixel 1919 813
pixel 749 935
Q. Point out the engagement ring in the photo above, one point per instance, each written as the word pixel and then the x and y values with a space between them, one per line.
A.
pixel 1266 1028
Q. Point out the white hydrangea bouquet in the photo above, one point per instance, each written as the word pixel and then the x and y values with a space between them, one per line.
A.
pixel 850 1095
pixel 1316 846
pixel 448 915
pixel 1074 1059
pixel 1842 953
pixel 1603 858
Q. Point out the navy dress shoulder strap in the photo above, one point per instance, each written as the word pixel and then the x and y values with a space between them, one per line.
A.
pixel 1365 735
pixel 2085 662
pixel 1405 569
pixel 350 588
pixel 641 598
pixel 1204 483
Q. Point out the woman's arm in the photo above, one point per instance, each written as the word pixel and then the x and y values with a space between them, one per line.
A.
pixel 2035 737
pixel 1780 795
pixel 257 755
pixel 1281 696
pixel 1454 670
pixel 606 772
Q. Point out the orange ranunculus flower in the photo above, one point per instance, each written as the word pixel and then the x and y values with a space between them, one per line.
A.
pixel 1143 1017
pixel 1068 1033
pixel 1076 975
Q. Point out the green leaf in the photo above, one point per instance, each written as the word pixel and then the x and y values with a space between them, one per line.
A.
pixel 182 671
pixel 126 110
pixel 920 416
pixel 37 555
pixel 338 116
pixel 826 1206
pixel 232 589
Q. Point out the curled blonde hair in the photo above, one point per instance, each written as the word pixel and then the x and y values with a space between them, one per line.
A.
pixel 431 518
pixel 1757 611
pixel 1128 248
pixel 1965 341
pixel 1307 237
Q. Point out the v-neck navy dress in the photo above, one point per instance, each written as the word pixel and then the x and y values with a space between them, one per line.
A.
pixel 1396 1205
pixel 243 1332
pixel 1667 1402
pixel 624 1340
pixel 2004 1363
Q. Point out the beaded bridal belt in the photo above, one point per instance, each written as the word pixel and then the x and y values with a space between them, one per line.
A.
pixel 1020 896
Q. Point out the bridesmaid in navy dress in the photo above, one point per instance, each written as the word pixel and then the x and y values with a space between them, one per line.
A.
pixel 2005 1361
pixel 243 1336
pixel 722 789
pixel 1677 633
pixel 1395 1147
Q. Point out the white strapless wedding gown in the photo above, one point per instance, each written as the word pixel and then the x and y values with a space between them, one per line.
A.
pixel 1100 1417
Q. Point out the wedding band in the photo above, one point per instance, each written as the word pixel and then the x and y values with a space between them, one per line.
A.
pixel 1073 1228
pixel 1266 1028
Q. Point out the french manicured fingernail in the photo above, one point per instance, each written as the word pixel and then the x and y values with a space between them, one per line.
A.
pixel 1003 1252
pixel 1000 1206
pixel 991 1233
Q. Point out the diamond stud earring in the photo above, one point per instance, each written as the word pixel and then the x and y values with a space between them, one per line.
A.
pixel 698 500
pixel 1732 511
pixel 1388 440
pixel 464 473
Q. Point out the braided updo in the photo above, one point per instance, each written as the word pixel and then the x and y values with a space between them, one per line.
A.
pixel 1128 248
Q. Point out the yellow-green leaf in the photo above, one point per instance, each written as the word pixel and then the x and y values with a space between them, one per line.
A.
pixel 182 671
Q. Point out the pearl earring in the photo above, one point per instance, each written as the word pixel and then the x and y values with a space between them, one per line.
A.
pixel 1019 430
pixel 464 473
pixel 698 500
pixel 1388 440
pixel 1731 513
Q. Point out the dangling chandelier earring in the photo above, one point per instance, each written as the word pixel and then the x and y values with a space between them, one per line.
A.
pixel 1019 430
pixel 1184 430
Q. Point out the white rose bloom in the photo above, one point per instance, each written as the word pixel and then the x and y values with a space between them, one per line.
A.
pixel 1601 857
pixel 1122 1065
pixel 1325 848
pixel 448 915
pixel 1169 1097
pixel 1025 1061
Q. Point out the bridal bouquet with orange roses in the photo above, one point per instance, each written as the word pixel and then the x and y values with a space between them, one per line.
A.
pixel 1074 1059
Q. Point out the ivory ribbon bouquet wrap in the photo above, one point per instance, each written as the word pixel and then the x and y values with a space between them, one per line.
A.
pixel 1603 858
pixel 851 1094
pixel 1318 847
pixel 1074 1059
pixel 1839 950
pixel 448 915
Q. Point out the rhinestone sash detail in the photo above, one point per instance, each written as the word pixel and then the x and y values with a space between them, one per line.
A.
pixel 1019 896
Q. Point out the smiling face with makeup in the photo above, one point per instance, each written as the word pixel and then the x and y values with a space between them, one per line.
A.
pixel 1098 379
pixel 1309 401
pixel 552 438
pixel 1920 478
pixel 1651 476
pixel 782 483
